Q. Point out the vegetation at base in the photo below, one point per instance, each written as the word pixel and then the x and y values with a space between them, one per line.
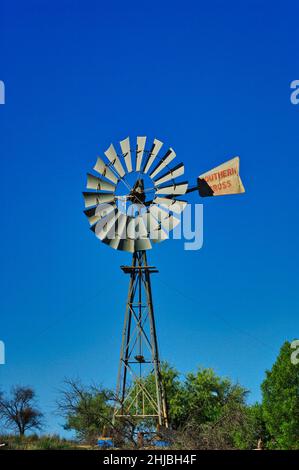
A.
pixel 35 442
pixel 280 405
pixel 206 411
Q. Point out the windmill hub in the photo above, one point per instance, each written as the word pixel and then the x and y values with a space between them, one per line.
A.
pixel 137 194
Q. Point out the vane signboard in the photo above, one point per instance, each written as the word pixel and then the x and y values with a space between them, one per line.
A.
pixel 224 179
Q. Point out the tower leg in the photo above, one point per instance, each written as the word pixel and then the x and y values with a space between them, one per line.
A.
pixel 140 393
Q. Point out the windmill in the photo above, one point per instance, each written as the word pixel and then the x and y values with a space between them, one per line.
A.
pixel 134 202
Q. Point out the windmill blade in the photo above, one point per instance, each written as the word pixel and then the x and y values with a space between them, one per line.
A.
pixel 174 189
pixel 156 147
pixel 167 221
pixel 126 150
pixel 90 214
pixel 92 199
pixel 139 152
pixel 122 226
pixel 170 223
pixel 168 157
pixel 105 228
pixel 159 214
pixel 136 230
pixel 142 244
pixel 126 245
pixel 171 174
pixel 93 182
pixel 113 239
pixel 150 223
pixel 153 227
pixel 159 236
pixel 114 160
pixel 96 213
pixel 102 222
pixel 101 168
pixel 222 180
pixel 174 205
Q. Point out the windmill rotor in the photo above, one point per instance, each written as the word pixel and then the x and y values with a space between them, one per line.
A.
pixel 134 231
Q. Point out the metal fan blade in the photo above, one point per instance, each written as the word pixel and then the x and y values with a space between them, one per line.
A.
pixel 102 222
pixel 153 227
pixel 114 160
pixel 126 245
pixel 170 223
pixel 136 228
pixel 171 174
pixel 156 147
pixel 122 225
pixel 90 214
pixel 136 231
pixel 150 223
pixel 167 221
pixel 174 189
pixel 126 150
pixel 105 228
pixel 93 182
pixel 139 152
pixel 174 205
pixel 159 214
pixel 120 228
pixel 101 168
pixel 159 236
pixel 142 244
pixel 168 157
pixel 92 199
pixel 99 212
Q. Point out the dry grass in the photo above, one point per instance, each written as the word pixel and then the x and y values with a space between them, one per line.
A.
pixel 34 442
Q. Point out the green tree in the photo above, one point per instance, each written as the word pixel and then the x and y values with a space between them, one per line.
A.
pixel 173 389
pixel 280 402
pixel 253 433
pixel 205 394
pixel 205 410
pixel 87 410
pixel 213 411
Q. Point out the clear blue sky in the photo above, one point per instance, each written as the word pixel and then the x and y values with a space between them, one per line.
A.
pixel 212 79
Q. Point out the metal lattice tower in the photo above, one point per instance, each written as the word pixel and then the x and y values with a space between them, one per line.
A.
pixel 139 354
pixel 144 213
